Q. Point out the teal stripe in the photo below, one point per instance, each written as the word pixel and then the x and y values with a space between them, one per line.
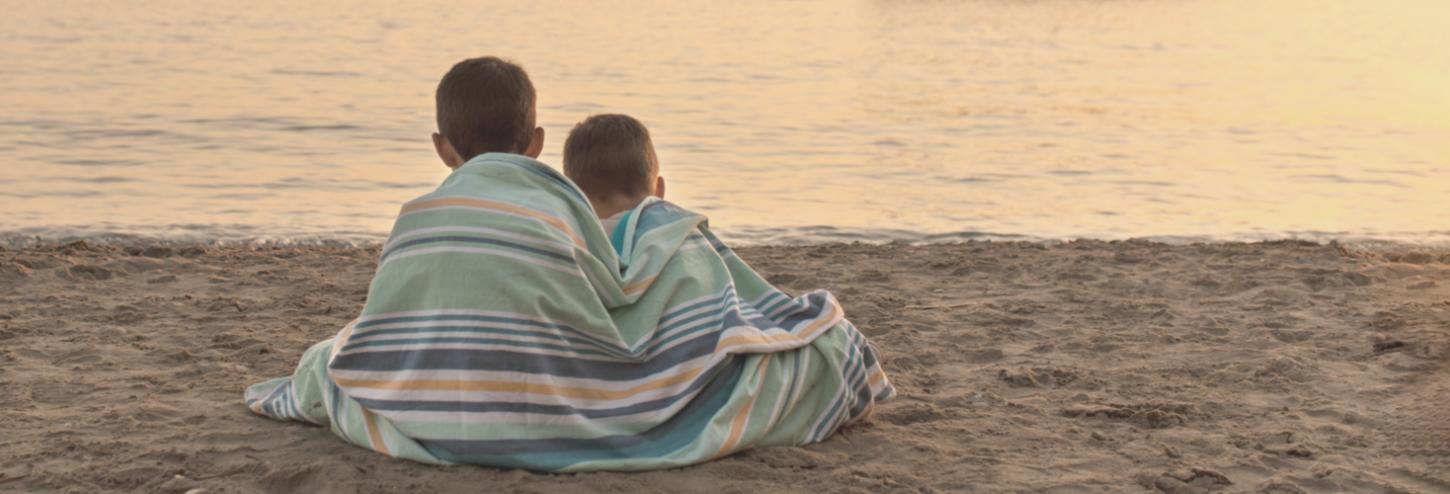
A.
pixel 563 339
pixel 616 238
pixel 347 349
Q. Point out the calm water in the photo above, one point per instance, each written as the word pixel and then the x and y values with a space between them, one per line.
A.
pixel 781 120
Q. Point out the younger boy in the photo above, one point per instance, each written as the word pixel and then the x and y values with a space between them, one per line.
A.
pixel 612 159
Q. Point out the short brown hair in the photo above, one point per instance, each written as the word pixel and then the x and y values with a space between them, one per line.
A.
pixel 486 104
pixel 609 155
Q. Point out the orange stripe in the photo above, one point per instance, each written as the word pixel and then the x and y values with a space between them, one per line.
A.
pixel 737 426
pixel 777 338
pixel 340 341
pixel 518 387
pixel 374 436
pixel 497 206
pixel 877 377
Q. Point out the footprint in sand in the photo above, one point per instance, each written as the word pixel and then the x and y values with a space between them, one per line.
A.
pixel 59 393
pixel 1417 435
pixel 86 272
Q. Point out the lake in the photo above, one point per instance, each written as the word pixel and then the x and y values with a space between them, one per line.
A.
pixel 782 121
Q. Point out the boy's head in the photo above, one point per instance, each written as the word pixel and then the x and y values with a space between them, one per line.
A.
pixel 612 159
pixel 486 105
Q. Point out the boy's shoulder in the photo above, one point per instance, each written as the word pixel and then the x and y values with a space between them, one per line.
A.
pixel 653 213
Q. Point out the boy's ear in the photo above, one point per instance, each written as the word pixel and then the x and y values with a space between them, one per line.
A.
pixel 536 144
pixel 445 151
pixel 660 187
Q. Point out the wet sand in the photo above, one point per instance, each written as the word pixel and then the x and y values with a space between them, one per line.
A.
pixel 1080 367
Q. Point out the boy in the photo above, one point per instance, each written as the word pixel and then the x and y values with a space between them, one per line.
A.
pixel 486 105
pixel 611 158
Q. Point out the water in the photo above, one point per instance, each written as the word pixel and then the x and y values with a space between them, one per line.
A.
pixel 783 121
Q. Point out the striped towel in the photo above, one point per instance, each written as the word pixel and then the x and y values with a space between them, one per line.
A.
pixel 503 329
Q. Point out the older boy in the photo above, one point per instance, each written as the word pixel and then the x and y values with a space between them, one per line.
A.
pixel 486 105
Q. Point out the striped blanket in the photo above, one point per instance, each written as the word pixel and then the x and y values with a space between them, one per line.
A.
pixel 502 329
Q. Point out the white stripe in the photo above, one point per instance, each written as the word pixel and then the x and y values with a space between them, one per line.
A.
pixel 488 210
pixel 750 312
pixel 456 312
pixel 476 346
pixel 774 303
pixel 791 305
pixel 670 320
pixel 539 335
pixel 692 365
pixel 471 323
pixel 573 349
pixel 540 398
pixel 717 315
pixel 572 269
pixel 784 388
pixel 826 415
pixel 559 247
pixel 366 333
pixel 498 424
pixel 501 426
pixel 658 350
pixel 797 340
pixel 805 371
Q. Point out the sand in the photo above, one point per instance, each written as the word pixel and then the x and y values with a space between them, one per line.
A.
pixel 1079 367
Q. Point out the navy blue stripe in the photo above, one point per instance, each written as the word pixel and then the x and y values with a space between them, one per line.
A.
pixel 714 302
pixel 543 409
pixel 480 341
pixel 531 363
pixel 529 322
pixel 269 402
pixel 830 423
pixel 696 323
pixel 868 354
pixel 815 304
pixel 720 247
pixel 863 401
pixel 856 382
pixel 554 454
pixel 362 333
pixel 731 317
pixel 560 338
pixel 885 392
pixel 777 304
pixel 523 322
pixel 336 410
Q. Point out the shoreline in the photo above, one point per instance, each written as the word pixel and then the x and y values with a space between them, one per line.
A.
pixel 1089 366
pixel 798 237
pixel 134 244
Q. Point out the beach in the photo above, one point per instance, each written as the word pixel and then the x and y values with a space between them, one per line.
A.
pixel 1084 366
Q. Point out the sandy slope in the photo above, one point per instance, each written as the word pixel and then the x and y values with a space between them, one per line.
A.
pixel 1084 367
